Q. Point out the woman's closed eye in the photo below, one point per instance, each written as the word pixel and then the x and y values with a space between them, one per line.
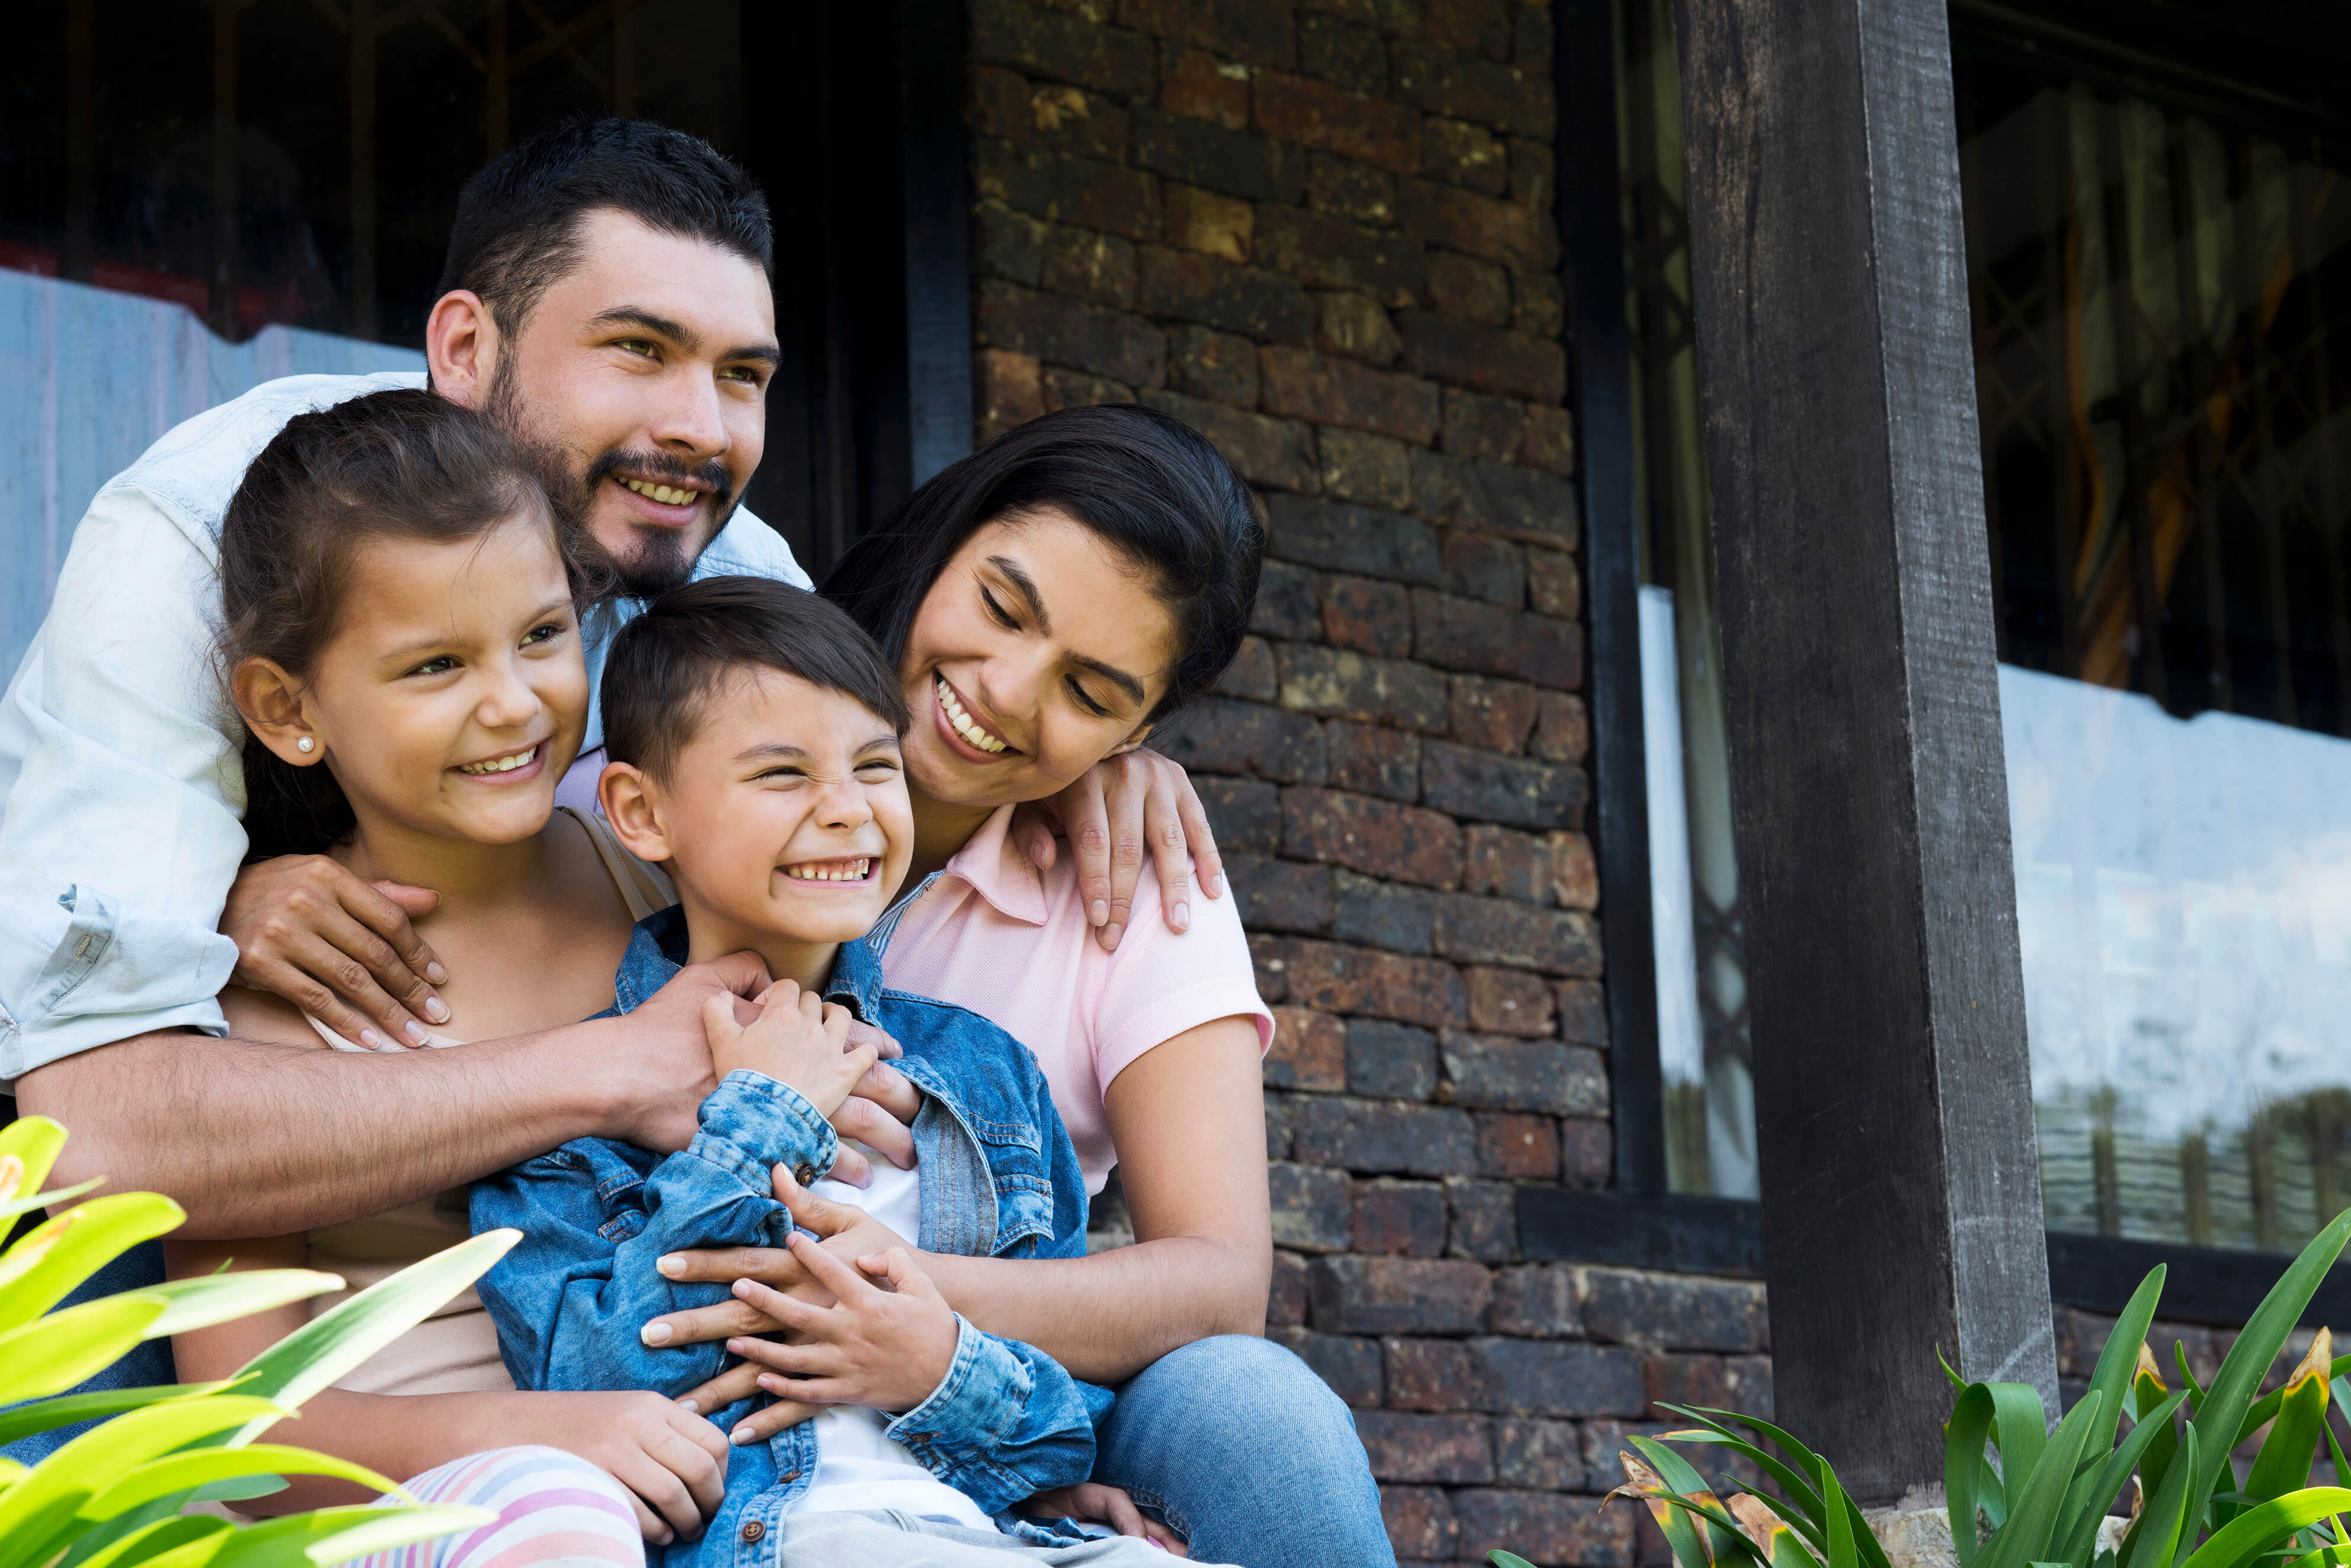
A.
pixel 995 610
pixel 1085 699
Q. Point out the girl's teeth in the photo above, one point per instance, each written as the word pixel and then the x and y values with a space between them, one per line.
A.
pixel 501 764
pixel 962 721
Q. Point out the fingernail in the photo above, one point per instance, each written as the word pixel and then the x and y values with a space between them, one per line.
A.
pixel 1098 912
pixel 1216 885
pixel 415 1030
pixel 436 1010
pixel 671 1264
pixel 436 974
pixel 689 1407
pixel 664 1539
pixel 768 1383
pixel 1111 934
pixel 1182 916
pixel 371 1040
pixel 743 1288
pixel 654 1334
pixel 742 1434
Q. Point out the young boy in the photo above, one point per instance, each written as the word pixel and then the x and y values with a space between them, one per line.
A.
pixel 753 732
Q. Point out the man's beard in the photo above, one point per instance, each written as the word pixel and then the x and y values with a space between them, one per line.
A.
pixel 657 559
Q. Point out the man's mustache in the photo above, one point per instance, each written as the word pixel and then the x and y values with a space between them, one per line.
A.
pixel 657 466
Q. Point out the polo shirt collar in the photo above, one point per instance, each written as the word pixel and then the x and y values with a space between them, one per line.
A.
pixel 999 873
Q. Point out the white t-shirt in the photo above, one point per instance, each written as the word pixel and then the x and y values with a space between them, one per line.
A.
pixel 858 1465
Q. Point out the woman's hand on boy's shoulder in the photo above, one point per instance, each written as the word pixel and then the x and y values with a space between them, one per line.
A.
pixel 1122 809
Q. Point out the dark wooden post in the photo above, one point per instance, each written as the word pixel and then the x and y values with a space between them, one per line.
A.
pixel 1901 1192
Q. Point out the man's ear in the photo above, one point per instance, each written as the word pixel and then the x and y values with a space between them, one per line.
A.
pixel 272 703
pixel 633 806
pixel 461 347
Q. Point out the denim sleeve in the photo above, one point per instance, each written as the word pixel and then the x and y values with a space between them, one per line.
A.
pixel 570 1297
pixel 1005 1423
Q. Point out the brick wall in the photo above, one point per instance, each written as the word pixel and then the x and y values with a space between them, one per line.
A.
pixel 1322 235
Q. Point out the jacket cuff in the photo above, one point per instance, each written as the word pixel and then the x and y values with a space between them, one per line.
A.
pixel 751 1124
pixel 978 1397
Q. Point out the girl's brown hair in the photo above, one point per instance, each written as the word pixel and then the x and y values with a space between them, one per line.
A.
pixel 392 465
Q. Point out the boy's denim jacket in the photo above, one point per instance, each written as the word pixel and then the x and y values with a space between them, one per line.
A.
pixel 1000 1178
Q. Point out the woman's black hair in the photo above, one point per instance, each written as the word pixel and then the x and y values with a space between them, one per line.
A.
pixel 1148 484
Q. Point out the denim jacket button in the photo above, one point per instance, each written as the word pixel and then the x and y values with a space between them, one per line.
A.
pixel 804 1173
pixel 752 1530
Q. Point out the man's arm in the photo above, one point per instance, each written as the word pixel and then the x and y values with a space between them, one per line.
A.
pixel 255 1138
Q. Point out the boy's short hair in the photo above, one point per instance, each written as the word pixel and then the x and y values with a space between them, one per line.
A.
pixel 666 665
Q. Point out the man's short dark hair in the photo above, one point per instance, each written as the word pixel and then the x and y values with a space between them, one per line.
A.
pixel 517 228
pixel 665 666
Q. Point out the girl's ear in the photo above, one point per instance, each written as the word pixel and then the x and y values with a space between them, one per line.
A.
pixel 631 805
pixel 271 702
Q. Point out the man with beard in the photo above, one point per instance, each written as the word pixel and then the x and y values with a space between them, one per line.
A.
pixel 606 297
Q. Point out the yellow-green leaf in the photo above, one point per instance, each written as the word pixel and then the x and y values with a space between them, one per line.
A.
pixel 47 1415
pixel 2284 1463
pixel 150 1543
pixel 2259 1529
pixel 187 1471
pixel 339 1534
pixel 32 1510
pixel 200 1302
pixel 53 1353
pixel 29 1146
pixel 87 1236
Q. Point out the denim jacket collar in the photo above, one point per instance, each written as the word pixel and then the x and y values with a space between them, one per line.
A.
pixel 657 951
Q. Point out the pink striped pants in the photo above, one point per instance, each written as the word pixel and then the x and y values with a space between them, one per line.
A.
pixel 553 1509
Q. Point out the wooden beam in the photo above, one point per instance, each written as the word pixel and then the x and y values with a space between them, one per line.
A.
pixel 81 144
pixel 361 70
pixel 225 270
pixel 1901 1191
pixel 931 34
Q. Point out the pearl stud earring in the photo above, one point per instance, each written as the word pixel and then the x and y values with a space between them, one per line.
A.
pixel 304 744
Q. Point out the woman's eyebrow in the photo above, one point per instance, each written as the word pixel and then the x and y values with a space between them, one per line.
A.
pixel 1111 674
pixel 1027 588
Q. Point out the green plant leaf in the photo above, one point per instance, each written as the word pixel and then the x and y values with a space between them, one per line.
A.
pixel 2284 1463
pixel 1666 1475
pixel 79 1242
pixel 1842 1550
pixel 47 1415
pixel 2020 1431
pixel 34 1510
pixel 51 1355
pixel 1964 1476
pixel 2259 1529
pixel 1796 1485
pixel 339 1534
pixel 2155 1540
pixel 2081 1543
pixel 201 1467
pixel 2117 1366
pixel 210 1299
pixel 1507 1560
pixel 2037 1498
pixel 2188 1375
pixel 151 1541
pixel 2266 1407
pixel 34 1143
pixel 18 1207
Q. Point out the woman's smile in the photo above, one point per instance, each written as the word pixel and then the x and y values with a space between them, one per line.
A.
pixel 972 739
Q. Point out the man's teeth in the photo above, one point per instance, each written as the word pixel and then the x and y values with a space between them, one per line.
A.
pixel 962 721
pixel 829 871
pixel 501 764
pixel 662 493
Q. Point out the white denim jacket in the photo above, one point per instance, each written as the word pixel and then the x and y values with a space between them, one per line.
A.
pixel 120 790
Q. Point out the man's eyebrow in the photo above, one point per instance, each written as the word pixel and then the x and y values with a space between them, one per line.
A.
pixel 1027 590
pixel 684 336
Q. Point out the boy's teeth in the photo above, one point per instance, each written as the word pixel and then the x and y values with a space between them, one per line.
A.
pixel 837 870
pixel 501 764
pixel 664 494
pixel 962 720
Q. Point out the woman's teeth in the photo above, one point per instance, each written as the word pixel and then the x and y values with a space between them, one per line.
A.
pixel 501 764
pixel 962 720
pixel 662 493
pixel 829 871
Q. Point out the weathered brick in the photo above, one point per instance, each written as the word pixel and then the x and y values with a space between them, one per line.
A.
pixel 1312 1207
pixel 1351 1366
pixel 1463 154
pixel 1249 738
pixel 1520 238
pixel 1367 615
pixel 1537 1301
pixel 1479 784
pixel 1530 44
pixel 1468 26
pixel 1281 895
pixel 1399 1295
pixel 1671 1311
pixel 1358 466
pixel 1195 82
pixel 1344 53
pixel 1544 1377
pixel 1686 1380
pixel 1049 115
pixel 1233 162
pixel 1563 733
pixel 1337 684
pixel 1064 332
pixel 1459 633
pixel 1390 1061
pixel 1539 305
pixel 1329 252
pixel 1495 715
pixel 1335 978
pixel 1286 1296
pixel 1006 244
pixel 1508 1002
pixel 1383 1137
pixel 1009 391
pixel 1382 914
pixel 1355 324
pixel 1747 1384
pixel 1588 1154
pixel 1493 1072
pixel 1096 267
pixel 1511 1144
pixel 1220 366
pixel 1276 452
pixel 1503 498
pixel 1398 1220
pixel 1075 389
pixel 1604 1440
pixel 1047 43
pixel 1480 351
pixel 1549 440
pixel 1554 586
pixel 1477 425
pixel 1396 19
pixel 1204 221
pixel 1251 675
pixel 1246 30
pixel 1334 119
pixel 1419 1523
pixel 1310 1050
pixel 1244 813
pixel 1289 601
pixel 1482 1219
pixel 1427 1374
pixel 1067 190
pixel 1329 390
pixel 1408 1448
pixel 1371 760
pixel 1350 189
pixel 1546 1455
pixel 1341 538
pixel 1505 863
pixel 1582 1012
pixel 1281 1124
pixel 1534 173
pixel 1486 568
pixel 1575 874
pixel 1476 90
pixel 1371 836
pixel 1187 285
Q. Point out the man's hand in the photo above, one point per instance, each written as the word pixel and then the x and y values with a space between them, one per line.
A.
pixel 310 931
pixel 666 1066
pixel 673 1461
pixel 879 1112
pixel 886 1346
pixel 1118 809
pixel 799 1039
pixel 1090 1503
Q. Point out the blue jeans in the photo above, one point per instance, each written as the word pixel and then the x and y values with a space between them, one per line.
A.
pixel 1235 1442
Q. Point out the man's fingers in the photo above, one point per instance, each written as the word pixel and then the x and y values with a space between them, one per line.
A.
pixel 386 908
pixel 700 1325
pixel 368 937
pixel 863 1033
pixel 725 1265
pixel 848 1164
pixel 820 1215
pixel 718 1025
pixel 745 974
pixel 891 1089
pixel 848 1286
pixel 738 1381
pixel 875 1128
pixel 1086 820
pixel 281 978
pixel 789 1312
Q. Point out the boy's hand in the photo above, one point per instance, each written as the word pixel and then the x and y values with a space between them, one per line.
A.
pixel 1090 1503
pixel 799 1039
pixel 886 1346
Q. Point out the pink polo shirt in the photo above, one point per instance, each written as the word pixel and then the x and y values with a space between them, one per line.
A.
pixel 997 936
